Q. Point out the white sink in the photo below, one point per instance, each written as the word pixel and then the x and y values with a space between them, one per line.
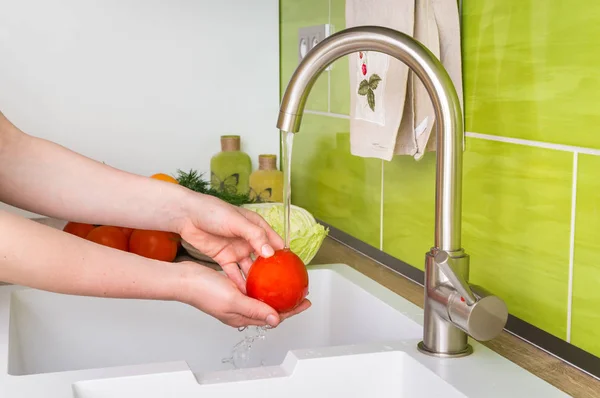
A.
pixel 56 333
pixel 357 336
pixel 382 374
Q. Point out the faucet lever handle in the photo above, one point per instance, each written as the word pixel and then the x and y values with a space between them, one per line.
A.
pixel 444 261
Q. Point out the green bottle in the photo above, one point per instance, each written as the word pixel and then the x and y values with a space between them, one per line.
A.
pixel 266 183
pixel 230 169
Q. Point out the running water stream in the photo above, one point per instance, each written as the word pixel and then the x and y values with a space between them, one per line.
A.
pixel 287 142
pixel 240 355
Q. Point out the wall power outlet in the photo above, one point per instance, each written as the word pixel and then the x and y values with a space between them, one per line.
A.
pixel 310 36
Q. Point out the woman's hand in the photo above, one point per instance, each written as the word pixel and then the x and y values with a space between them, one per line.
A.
pixel 67 264
pixel 215 294
pixel 76 188
pixel 228 234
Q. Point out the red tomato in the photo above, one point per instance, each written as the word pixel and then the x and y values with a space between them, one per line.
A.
pixel 158 245
pixel 78 229
pixel 127 232
pixel 109 236
pixel 280 281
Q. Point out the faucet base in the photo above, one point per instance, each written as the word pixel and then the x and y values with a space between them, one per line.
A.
pixel 467 351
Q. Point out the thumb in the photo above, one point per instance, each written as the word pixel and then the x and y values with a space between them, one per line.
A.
pixel 257 310
pixel 255 235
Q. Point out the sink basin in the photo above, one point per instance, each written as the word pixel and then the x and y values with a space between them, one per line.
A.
pixel 358 338
pixel 56 333
pixel 380 374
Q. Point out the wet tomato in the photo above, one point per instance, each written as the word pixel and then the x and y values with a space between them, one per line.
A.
pixel 109 236
pixel 127 232
pixel 280 281
pixel 78 229
pixel 157 245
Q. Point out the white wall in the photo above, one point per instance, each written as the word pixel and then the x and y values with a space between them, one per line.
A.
pixel 143 85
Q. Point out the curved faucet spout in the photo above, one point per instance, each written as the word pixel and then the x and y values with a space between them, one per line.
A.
pixel 451 309
pixel 449 125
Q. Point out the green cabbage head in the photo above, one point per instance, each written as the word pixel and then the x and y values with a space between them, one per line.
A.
pixel 306 234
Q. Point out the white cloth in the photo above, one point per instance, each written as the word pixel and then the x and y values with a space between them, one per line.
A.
pixel 390 110
pixel 373 130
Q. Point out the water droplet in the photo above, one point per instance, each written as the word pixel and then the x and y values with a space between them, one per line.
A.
pixel 240 355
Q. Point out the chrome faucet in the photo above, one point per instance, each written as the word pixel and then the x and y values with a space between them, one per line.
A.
pixel 452 310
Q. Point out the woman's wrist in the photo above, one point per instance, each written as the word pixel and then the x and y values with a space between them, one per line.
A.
pixel 181 208
pixel 183 281
pixel 187 208
pixel 175 282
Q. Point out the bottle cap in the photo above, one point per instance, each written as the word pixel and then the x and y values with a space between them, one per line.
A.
pixel 230 143
pixel 267 162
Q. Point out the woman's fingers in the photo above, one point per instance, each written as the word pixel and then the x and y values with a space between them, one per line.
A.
pixel 303 306
pixel 242 321
pixel 251 315
pixel 254 235
pixel 235 274
pixel 274 239
pixel 257 310
pixel 245 265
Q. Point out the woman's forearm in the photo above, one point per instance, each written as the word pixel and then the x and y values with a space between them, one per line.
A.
pixel 41 257
pixel 46 178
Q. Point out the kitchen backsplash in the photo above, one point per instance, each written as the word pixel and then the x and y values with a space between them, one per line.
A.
pixel 531 204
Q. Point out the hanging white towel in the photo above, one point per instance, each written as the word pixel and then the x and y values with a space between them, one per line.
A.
pixel 419 130
pixel 390 110
pixel 378 82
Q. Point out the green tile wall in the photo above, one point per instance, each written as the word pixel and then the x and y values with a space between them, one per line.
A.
pixel 408 208
pixel 340 83
pixel 294 15
pixel 350 200
pixel 530 78
pixel 586 272
pixel 531 69
pixel 516 219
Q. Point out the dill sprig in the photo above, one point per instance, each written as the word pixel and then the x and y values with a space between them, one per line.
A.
pixel 194 181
